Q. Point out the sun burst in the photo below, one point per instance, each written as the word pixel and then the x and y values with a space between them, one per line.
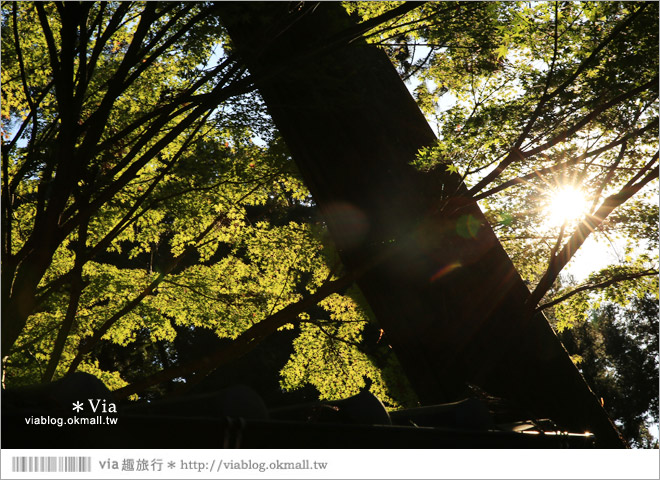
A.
pixel 566 205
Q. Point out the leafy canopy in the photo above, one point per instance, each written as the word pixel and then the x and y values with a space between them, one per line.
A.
pixel 146 196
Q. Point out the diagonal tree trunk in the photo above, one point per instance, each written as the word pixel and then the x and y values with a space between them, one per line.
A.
pixel 443 289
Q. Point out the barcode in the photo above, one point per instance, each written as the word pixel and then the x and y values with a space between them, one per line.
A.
pixel 51 464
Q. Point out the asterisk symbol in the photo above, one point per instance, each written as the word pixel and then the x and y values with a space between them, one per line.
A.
pixel 77 406
pixel 171 464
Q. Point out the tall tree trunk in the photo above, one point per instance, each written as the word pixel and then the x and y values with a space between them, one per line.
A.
pixel 441 286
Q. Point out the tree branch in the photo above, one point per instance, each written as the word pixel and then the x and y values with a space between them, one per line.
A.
pixel 564 135
pixel 166 111
pixel 360 29
pixel 97 121
pixel 573 161
pixel 169 268
pixel 319 325
pixel 126 220
pixel 608 176
pixel 217 95
pixel 242 344
pixel 595 286
pixel 416 22
pixel 102 39
pixel 50 40
pixel 515 153
pixel 148 61
pixel 77 286
pixel 586 227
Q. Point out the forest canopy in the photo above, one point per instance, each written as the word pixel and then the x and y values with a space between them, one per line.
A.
pixel 148 201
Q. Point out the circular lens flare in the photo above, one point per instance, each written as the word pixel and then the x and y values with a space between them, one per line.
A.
pixel 566 204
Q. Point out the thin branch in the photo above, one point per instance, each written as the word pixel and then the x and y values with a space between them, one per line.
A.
pixel 551 72
pixel 562 136
pixel 125 220
pixel 21 63
pixel 560 237
pixel 513 155
pixel 363 27
pixel 318 325
pixel 414 22
pixel 82 75
pixel 128 307
pixel 573 161
pixel 148 61
pixel 129 216
pixel 596 286
pixel 128 219
pixel 419 66
pixel 34 339
pixel 102 39
pixel 608 176
pixel 95 124
pixel 643 170
pixel 585 63
pixel 432 45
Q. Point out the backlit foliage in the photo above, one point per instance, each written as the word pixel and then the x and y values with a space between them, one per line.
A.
pixel 182 209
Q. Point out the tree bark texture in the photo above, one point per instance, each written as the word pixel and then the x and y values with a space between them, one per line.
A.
pixel 440 284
